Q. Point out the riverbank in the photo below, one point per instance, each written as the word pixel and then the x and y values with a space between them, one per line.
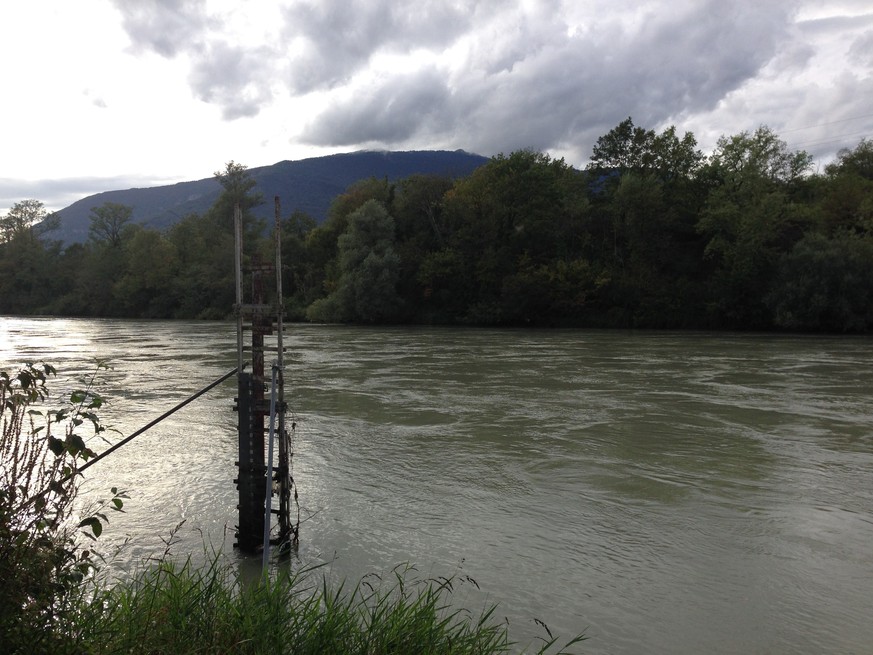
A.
pixel 181 608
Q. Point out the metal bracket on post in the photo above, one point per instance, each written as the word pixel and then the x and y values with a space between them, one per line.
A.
pixel 268 492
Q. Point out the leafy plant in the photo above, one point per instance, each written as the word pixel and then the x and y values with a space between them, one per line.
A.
pixel 42 564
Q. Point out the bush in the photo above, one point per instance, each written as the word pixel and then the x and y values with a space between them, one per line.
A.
pixel 42 565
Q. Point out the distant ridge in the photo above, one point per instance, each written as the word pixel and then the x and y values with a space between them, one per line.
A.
pixel 308 185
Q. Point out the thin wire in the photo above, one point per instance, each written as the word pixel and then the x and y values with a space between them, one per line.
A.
pixel 843 120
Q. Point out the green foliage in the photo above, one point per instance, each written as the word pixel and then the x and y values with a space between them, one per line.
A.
pixel 627 148
pixel 238 186
pixel 300 281
pixel 749 219
pixel 748 162
pixel 847 194
pixel 368 269
pixel 183 609
pixel 651 234
pixel 857 162
pixel 522 208
pixel 42 565
pixel 826 284
pixel 108 221
pixel 20 219
pixel 144 289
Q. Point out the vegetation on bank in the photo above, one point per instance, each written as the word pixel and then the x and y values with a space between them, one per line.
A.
pixel 172 608
pixel 55 598
pixel 652 234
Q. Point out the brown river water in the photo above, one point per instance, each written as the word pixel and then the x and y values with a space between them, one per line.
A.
pixel 663 492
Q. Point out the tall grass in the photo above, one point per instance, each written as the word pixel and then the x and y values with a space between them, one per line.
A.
pixel 182 608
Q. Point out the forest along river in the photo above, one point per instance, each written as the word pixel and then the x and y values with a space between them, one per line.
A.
pixel 664 492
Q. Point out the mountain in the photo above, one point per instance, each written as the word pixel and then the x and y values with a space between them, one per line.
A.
pixel 308 185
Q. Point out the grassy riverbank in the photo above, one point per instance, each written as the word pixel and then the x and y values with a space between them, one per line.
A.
pixel 180 608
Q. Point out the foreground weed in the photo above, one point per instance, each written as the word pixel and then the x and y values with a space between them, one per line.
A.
pixel 181 608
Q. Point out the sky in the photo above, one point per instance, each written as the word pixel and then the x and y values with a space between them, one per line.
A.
pixel 112 94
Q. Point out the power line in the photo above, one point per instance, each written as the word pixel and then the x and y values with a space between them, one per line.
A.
pixel 842 120
pixel 834 139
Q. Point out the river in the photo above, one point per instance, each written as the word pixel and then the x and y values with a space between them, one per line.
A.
pixel 664 492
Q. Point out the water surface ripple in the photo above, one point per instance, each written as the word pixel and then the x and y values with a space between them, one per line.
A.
pixel 667 492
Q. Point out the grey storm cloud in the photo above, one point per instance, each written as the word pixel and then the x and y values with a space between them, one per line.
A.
pixel 233 77
pixel 167 27
pixel 545 74
pixel 387 113
pixel 337 37
pixel 540 84
pixel 861 50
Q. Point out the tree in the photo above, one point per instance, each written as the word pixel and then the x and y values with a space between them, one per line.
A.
pixel 204 286
pixel 825 284
pixel 847 190
pixel 368 271
pixel 298 284
pixel 752 215
pixel 760 160
pixel 627 148
pixel 27 263
pixel 107 222
pixel 858 161
pixel 524 206
pixel 418 214
pixel 20 219
pixel 322 241
pixel 145 288
pixel 238 185
pixel 238 189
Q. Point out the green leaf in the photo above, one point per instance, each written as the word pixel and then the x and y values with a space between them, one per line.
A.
pixel 77 444
pixel 94 523
pixel 55 445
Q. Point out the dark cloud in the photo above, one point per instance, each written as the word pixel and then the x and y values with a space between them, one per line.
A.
pixel 396 111
pixel 232 77
pixel 235 77
pixel 533 81
pixel 861 50
pixel 334 39
pixel 497 75
pixel 167 27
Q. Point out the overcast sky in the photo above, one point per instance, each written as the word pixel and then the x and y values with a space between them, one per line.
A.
pixel 101 94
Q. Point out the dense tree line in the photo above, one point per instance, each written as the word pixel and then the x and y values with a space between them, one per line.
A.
pixel 651 234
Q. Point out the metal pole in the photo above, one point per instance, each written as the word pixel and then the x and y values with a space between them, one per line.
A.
pixel 280 302
pixel 268 497
pixel 238 246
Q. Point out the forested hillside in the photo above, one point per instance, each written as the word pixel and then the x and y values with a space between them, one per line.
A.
pixel 308 185
pixel 652 234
